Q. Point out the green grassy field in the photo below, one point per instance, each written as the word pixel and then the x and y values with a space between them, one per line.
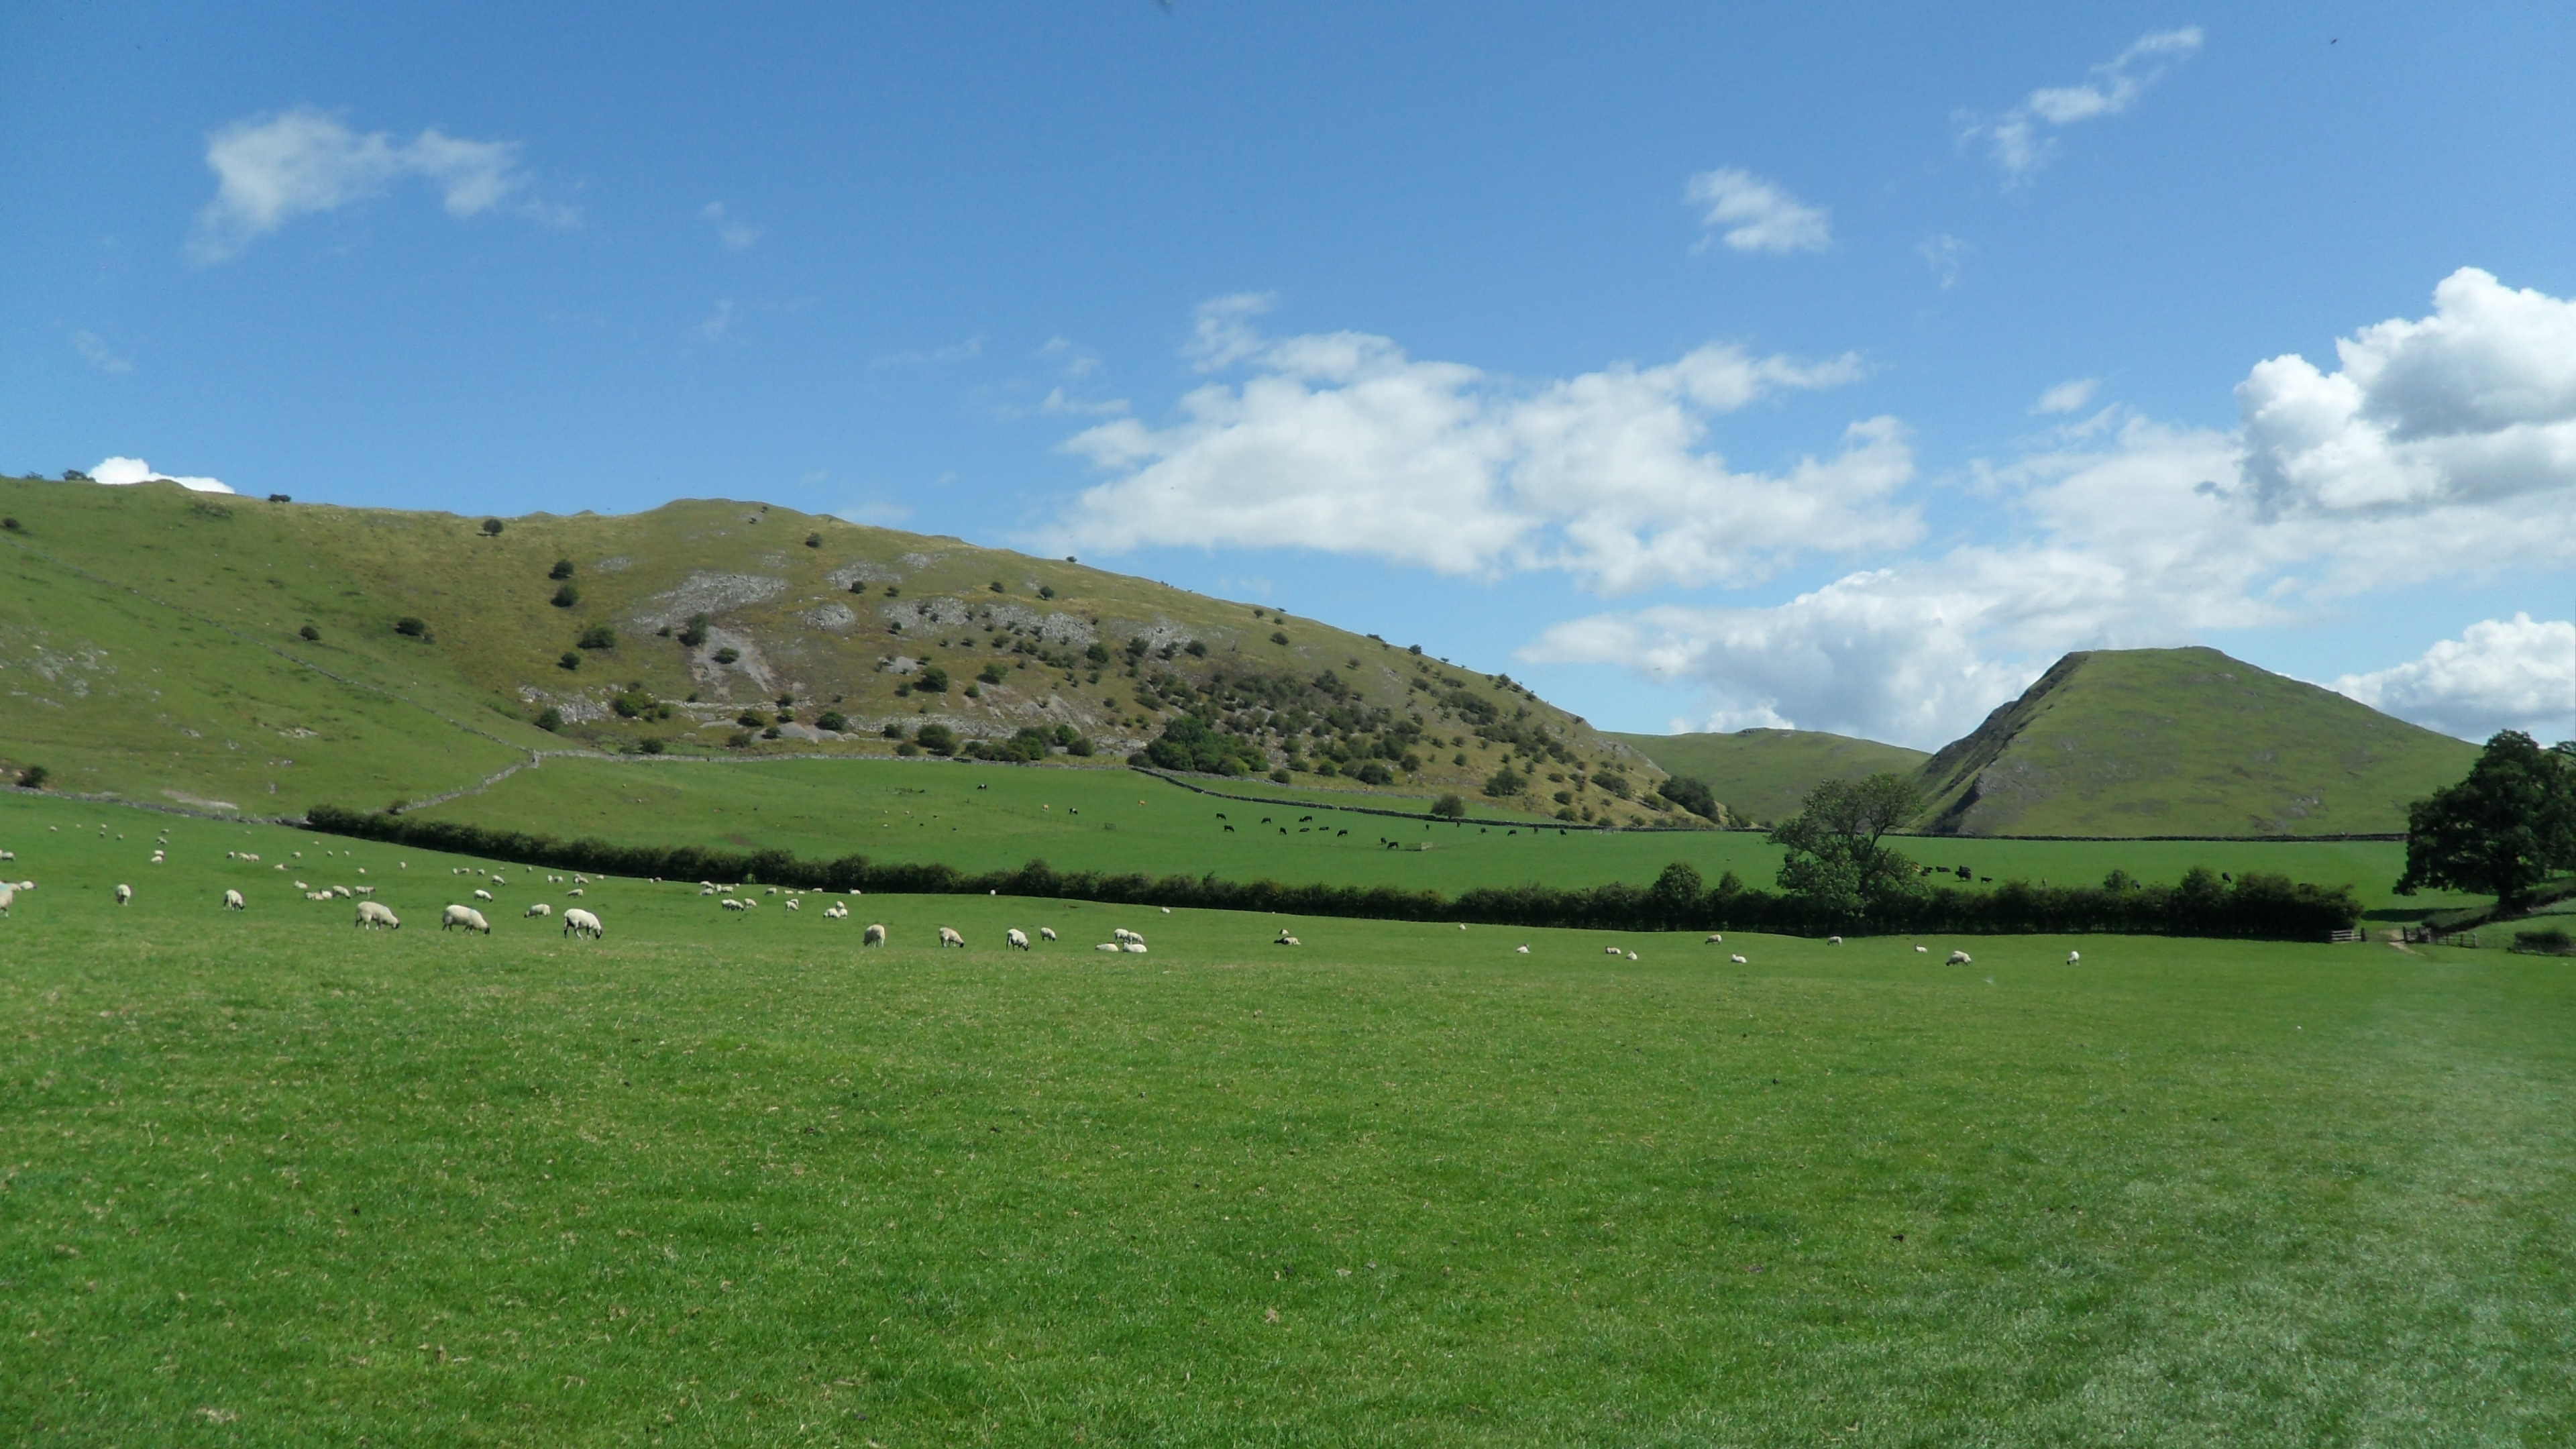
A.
pixel 722 1179
pixel 1764 775
pixel 984 817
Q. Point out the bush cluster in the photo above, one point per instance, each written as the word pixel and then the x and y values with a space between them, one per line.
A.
pixel 2258 907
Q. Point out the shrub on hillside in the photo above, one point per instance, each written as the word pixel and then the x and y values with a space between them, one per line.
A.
pixel 1694 796
pixel 932 678
pixel 1278 636
pixel 893 731
pixel 550 721
pixel 569 659
pixel 411 628
pixel 653 746
pixel 34 777
pixel 813 540
pixel 1191 743
pixel 561 570
pixel 1098 653
pixel 728 655
pixel 598 636
pixel 938 739
pixel 696 632
pixel 1373 772
pixel 565 597
pixel 989 674
pixel 833 720
pixel 309 634
pixel 491 528
pixel 1505 782
pixel 752 719
pixel 634 704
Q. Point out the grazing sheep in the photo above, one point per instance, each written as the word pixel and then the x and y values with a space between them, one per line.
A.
pixel 1961 958
pixel 1520 950
pixel 343 892
pixel 539 909
pixel 949 937
pixel 1017 939
pixel 791 905
pixel 1112 947
pixel 578 922
pixel 874 935
pixel 1122 936
pixel 581 880
pixel 1632 955
pixel 1046 933
pixel 8 895
pixel 1738 959
pixel 1135 948
pixel 730 904
pixel 706 890
pixel 2072 957
pixel 574 892
pixel 466 916
pixel 1610 950
pixel 482 895
pixel 1714 940
pixel 124 893
pixel 1833 940
pixel 1285 939
pixel 233 901
pixel 1167 910
pixel 499 879
pixel 366 890
pixel 374 915
pixel 1922 950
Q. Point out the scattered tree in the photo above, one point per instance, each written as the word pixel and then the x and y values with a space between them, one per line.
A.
pixel 833 720
pixel 1834 858
pixel 1505 782
pixel 598 636
pixel 652 745
pixel 932 678
pixel 696 633
pixel 1449 807
pixel 752 719
pixel 491 528
pixel 12 525
pixel 551 720
pixel 996 587
pixel 1197 648
pixel 411 628
pixel 990 674
pixel 813 540
pixel 1098 653
pixel 893 731
pixel 1373 772
pixel 937 738
pixel 1046 591
pixel 309 634
pixel 34 777
pixel 279 498
pixel 561 570
pixel 2501 831
pixel 1278 636
pixel 1693 795
pixel 565 597
pixel 570 659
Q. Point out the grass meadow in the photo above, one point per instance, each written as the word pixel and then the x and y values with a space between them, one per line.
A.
pixel 991 817
pixel 730 1179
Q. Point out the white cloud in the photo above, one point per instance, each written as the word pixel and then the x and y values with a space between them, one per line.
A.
pixel 1751 214
pixel 2440 450
pixel 2067 396
pixel 123 472
pixel 1057 404
pixel 93 349
pixel 2500 674
pixel 1944 254
pixel 273 169
pixel 1341 442
pixel 736 234
pixel 2019 140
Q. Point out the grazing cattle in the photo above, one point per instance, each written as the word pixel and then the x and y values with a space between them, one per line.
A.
pixel 578 922
pixel 539 909
pixel 2072 957
pixel 233 901
pixel 482 895
pixel 948 937
pixel 466 916
pixel 1018 939
pixel 1738 960
pixel 1962 958
pixel 1229 830
pixel 1112 947
pixel 874 935
pixel 1046 933
pixel 124 893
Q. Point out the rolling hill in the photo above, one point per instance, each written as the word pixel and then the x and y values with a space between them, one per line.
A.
pixel 2183 742
pixel 1761 775
pixel 234 654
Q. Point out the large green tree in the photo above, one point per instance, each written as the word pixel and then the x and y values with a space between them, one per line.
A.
pixel 1836 858
pixel 2501 831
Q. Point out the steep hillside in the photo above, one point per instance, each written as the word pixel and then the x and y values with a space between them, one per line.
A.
pixel 2183 742
pixel 1761 775
pixel 151 646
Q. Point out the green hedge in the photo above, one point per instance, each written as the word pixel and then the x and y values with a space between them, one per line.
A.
pixel 2255 906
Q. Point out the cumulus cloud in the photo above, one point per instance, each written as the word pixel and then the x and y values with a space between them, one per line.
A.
pixel 2020 140
pixel 270 170
pixel 2437 451
pixel 2499 674
pixel 2067 396
pixel 1341 442
pixel 1751 214
pixel 122 472
pixel 736 234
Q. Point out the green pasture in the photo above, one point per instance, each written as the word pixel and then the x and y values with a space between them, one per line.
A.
pixel 1764 774
pixel 987 817
pixel 719 1179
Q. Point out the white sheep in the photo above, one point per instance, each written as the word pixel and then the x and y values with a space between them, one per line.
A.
pixel 578 922
pixel 124 893
pixel 366 890
pixel 1738 959
pixel 706 890
pixel 575 892
pixel 581 880
pixel 1632 955
pixel 499 879
pixel 1112 947
pixel 1922 950
pixel 233 901
pixel 874 935
pixel 8 897
pixel 2074 957
pixel 1046 933
pixel 319 896
pixel 730 904
pixel 481 894
pixel 373 914
pixel 1961 958
pixel 1833 940
pixel 1122 936
pixel 343 892
pixel 791 905
pixel 1520 950
pixel 1017 939
pixel 466 916
pixel 1167 910
pixel 1135 948
pixel 1610 950
pixel 1286 940
pixel 1714 939
pixel 538 909
pixel 948 937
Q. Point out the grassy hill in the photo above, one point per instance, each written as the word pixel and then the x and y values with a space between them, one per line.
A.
pixel 2184 742
pixel 1761 775
pixel 152 647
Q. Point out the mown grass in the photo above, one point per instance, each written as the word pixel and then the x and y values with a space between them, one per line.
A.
pixel 989 817
pixel 720 1179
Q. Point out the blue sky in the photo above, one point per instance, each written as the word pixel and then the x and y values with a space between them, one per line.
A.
pixel 1838 366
